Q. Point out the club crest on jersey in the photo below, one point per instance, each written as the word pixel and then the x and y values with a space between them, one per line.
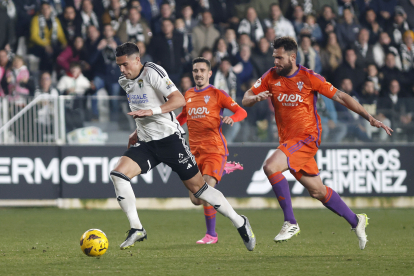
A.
pixel 141 83
pixel 300 85
pixel 206 99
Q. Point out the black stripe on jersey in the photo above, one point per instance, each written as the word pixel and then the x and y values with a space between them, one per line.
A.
pixel 153 66
pixel 122 77
pixel 172 118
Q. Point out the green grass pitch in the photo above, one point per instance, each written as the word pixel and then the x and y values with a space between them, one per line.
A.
pixel 45 241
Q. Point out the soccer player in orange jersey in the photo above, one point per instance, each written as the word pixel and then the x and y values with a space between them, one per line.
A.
pixel 293 90
pixel 203 113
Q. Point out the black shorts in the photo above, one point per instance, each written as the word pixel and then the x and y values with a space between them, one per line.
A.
pixel 172 151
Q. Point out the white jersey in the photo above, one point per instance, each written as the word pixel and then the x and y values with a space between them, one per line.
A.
pixel 151 89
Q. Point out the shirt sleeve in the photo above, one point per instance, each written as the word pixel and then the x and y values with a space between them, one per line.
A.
pixel 182 117
pixel 225 101
pixel 160 81
pixel 261 84
pixel 320 85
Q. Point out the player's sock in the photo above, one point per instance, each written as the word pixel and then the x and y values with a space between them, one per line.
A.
pixel 126 198
pixel 210 214
pixel 334 202
pixel 215 198
pixel 281 188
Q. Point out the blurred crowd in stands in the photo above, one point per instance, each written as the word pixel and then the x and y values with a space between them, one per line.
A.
pixel 364 47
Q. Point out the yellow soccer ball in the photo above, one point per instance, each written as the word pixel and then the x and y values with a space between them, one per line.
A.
pixel 94 243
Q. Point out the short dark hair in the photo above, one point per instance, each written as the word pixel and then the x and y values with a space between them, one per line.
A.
pixel 201 59
pixel 225 59
pixel 74 64
pixel 288 43
pixel 128 48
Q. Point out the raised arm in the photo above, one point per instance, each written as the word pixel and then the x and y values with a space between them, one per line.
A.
pixel 249 98
pixel 351 104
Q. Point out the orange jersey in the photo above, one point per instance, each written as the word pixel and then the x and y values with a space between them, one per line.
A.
pixel 294 99
pixel 203 110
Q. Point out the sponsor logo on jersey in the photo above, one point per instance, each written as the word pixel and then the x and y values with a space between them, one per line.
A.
pixel 189 166
pixel 278 84
pixel 331 88
pixel 258 83
pixel 289 100
pixel 300 85
pixel 141 83
pixel 198 112
pixel 189 100
pixel 137 99
pixel 233 104
pixel 206 99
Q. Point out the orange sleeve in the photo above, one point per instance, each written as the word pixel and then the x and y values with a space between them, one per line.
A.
pixel 225 101
pixel 320 85
pixel 261 84
pixel 182 117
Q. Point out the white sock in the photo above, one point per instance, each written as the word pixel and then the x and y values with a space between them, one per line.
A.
pixel 126 198
pixel 215 198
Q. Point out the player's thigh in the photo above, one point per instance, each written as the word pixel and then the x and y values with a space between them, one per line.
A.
pixel 277 162
pixel 195 183
pixel 128 167
pixel 138 159
pixel 174 152
pixel 314 185
pixel 211 166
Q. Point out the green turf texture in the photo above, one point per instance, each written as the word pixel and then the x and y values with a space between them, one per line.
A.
pixel 45 241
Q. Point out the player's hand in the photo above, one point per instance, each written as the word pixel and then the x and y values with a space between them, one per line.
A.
pixel 378 124
pixel 141 113
pixel 263 96
pixel 227 120
pixel 133 139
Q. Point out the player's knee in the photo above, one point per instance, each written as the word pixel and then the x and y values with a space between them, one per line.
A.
pixel 118 177
pixel 269 167
pixel 196 201
pixel 317 193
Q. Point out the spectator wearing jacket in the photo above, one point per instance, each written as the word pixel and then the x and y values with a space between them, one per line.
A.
pixel 347 31
pixel 204 34
pixel 252 25
pixel 46 37
pixel 70 25
pixel 134 29
pixel 280 25
pixel 106 70
pixel 307 56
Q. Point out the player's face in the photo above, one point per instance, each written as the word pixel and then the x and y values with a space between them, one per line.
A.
pixel 129 66
pixel 201 74
pixel 283 61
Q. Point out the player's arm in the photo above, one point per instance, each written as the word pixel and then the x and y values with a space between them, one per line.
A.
pixel 182 117
pixel 350 103
pixel 239 113
pixel 175 100
pixel 133 139
pixel 249 98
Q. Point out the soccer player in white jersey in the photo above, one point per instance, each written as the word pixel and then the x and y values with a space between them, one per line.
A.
pixel 152 97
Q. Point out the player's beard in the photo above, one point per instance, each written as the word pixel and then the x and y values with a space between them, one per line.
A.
pixel 286 69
